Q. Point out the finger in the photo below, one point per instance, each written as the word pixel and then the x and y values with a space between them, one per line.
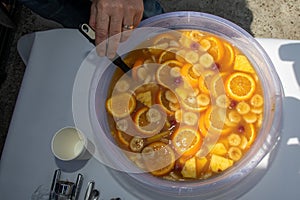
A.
pixel 128 20
pixel 137 18
pixel 125 35
pixel 92 20
pixel 101 30
pixel 115 28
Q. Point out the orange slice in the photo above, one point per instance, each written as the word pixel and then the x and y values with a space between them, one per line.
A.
pixel 186 141
pixel 216 49
pixel 163 73
pixel 144 125
pixel 163 38
pixel 249 131
pixel 196 35
pixel 240 86
pixel 205 80
pixel 121 105
pixel 165 104
pixel 161 42
pixel 159 158
pixel 196 103
pixel 173 63
pixel 124 138
pixel 180 55
pixel 136 65
pixel 215 121
pixel 187 72
pixel 168 54
pixel 228 58
pixel 201 126
pixel 217 84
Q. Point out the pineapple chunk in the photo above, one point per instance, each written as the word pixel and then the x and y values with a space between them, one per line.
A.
pixel 145 98
pixel 219 163
pixel 219 149
pixel 242 64
pixel 189 169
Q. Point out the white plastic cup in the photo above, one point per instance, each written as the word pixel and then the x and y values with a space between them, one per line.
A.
pixel 70 144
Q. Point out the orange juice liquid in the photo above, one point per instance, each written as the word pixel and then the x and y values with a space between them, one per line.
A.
pixel 196 111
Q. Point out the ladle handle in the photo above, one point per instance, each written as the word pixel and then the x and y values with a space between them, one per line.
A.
pixel 89 33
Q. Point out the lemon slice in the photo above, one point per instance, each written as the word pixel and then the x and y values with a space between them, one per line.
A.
pixel 186 141
pixel 164 74
pixel 121 105
pixel 149 121
pixel 159 158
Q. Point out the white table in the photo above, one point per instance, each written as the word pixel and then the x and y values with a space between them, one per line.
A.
pixel 44 106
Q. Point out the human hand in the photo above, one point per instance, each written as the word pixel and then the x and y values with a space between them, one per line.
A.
pixel 110 17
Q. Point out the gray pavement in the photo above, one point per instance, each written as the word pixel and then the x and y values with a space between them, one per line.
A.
pixel 267 19
pixel 262 18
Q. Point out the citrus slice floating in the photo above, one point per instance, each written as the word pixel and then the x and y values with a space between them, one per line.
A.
pixel 228 58
pixel 121 105
pixel 196 35
pixel 189 75
pixel 148 121
pixel 186 141
pixel 163 38
pixel 168 54
pixel 205 80
pixel 160 43
pixel 217 84
pixel 196 103
pixel 201 126
pixel 159 158
pixel 163 73
pixel 164 102
pixel 216 49
pixel 249 132
pixel 124 138
pixel 215 121
pixel 240 86
pixel 138 63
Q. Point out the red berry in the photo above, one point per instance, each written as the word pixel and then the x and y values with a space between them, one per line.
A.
pixel 178 80
pixel 232 104
pixel 194 46
pixel 241 129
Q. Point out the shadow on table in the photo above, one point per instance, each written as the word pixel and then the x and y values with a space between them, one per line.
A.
pixel 291 134
pixel 75 165
pixel 280 170
pixel 284 173
pixel 70 166
pixel 290 53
